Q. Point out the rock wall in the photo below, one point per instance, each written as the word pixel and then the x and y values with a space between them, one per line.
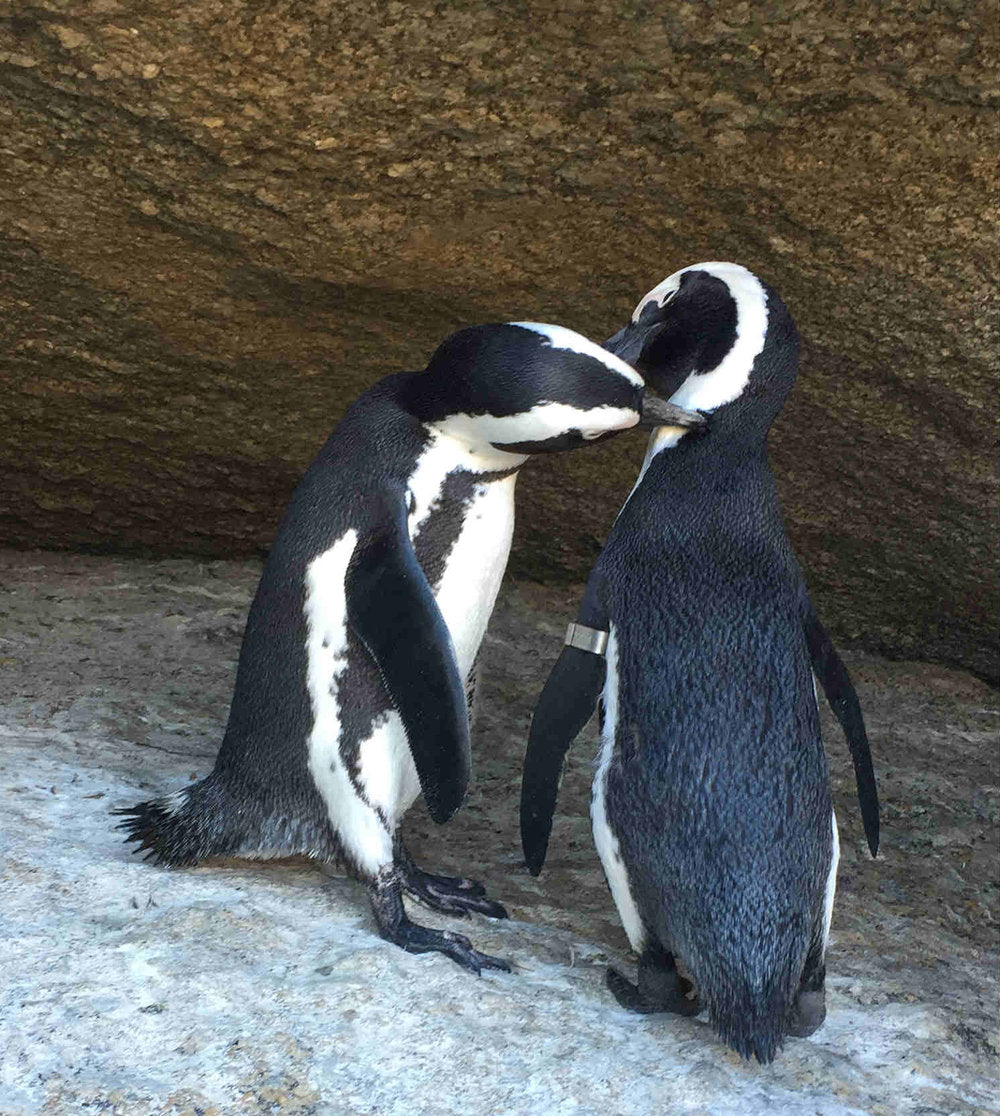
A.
pixel 220 221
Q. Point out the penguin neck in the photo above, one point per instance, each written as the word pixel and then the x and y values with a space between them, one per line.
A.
pixel 472 456
pixel 662 440
pixel 696 459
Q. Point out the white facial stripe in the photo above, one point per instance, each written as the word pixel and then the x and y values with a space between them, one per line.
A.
pixel 562 338
pixel 659 294
pixel 604 838
pixel 725 382
pixel 358 826
pixel 541 422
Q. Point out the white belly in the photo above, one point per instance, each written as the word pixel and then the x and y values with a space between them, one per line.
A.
pixel 465 594
pixel 474 569
pixel 358 825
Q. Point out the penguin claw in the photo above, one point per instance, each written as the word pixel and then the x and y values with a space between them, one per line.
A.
pixel 453 895
pixel 422 939
pixel 451 884
pixel 453 901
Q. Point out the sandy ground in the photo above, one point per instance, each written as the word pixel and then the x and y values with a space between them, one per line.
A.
pixel 260 988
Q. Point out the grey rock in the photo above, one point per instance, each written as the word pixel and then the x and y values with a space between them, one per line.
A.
pixel 262 987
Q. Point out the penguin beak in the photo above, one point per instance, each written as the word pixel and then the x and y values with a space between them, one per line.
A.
pixel 658 412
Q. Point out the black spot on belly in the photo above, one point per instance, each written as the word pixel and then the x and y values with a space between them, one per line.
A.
pixel 439 532
pixel 361 701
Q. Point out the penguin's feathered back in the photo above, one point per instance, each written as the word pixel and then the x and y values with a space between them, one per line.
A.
pixel 712 810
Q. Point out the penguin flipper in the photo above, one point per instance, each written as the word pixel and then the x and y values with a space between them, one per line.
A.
pixel 566 704
pixel 392 610
pixel 840 693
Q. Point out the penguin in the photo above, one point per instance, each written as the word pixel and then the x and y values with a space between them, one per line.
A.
pixel 711 805
pixel 357 658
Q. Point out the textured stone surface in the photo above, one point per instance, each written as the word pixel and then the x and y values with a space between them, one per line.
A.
pixel 219 221
pixel 263 988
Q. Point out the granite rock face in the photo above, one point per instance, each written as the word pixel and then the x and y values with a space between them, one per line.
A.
pixel 263 987
pixel 220 221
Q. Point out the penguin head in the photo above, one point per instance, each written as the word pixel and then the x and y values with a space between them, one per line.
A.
pixel 714 338
pixel 525 387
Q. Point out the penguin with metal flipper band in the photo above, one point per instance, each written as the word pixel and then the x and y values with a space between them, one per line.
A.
pixel 711 807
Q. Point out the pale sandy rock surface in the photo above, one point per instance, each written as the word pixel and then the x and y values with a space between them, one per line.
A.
pixel 262 988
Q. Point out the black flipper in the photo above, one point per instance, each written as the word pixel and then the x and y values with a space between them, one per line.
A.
pixel 836 683
pixel 565 706
pixel 392 610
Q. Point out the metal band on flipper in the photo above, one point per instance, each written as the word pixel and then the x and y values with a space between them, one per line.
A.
pixel 586 639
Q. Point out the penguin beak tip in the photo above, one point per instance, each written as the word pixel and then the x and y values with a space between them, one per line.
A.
pixel 658 412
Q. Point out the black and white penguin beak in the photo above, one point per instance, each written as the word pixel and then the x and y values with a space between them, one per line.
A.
pixel 658 412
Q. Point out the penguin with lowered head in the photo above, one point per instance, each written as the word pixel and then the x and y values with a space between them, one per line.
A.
pixel 351 687
pixel 711 806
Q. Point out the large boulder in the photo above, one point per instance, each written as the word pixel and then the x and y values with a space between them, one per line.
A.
pixel 223 220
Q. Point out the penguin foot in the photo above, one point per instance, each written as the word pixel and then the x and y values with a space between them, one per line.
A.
pixel 660 989
pixel 808 1009
pixel 395 926
pixel 450 894
pixel 422 939
pixel 806 1014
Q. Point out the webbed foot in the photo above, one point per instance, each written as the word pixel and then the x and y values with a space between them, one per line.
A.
pixel 808 1009
pixel 395 926
pixel 806 1014
pixel 451 894
pixel 660 989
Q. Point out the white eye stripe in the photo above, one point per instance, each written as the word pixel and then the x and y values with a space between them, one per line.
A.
pixel 661 294
pixel 562 338
pixel 541 422
pixel 728 379
pixel 706 391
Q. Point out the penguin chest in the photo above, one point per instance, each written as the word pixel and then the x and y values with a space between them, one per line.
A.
pixel 462 545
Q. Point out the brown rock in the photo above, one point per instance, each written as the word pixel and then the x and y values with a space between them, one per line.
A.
pixel 308 198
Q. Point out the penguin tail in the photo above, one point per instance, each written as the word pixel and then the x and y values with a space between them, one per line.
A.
pixel 181 828
pixel 750 1017
pixel 749 1008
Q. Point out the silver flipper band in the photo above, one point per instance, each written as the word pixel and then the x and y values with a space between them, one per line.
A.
pixel 586 639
